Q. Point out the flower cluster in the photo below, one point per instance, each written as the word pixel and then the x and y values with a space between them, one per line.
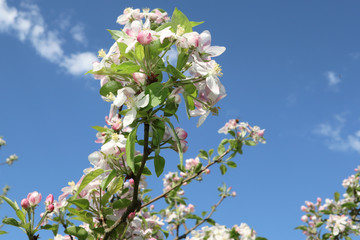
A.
pixel 145 88
pixel 340 216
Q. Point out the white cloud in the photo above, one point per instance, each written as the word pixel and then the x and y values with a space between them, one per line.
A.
pixel 28 25
pixel 335 137
pixel 79 63
pixel 78 34
pixel 333 78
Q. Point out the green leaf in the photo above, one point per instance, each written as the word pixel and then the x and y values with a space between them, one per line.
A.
pixel 126 67
pixel 80 203
pixel 121 203
pixel 11 221
pixel 88 178
pixel 349 205
pixel 79 232
pixel 231 164
pixel 337 196
pixel 107 180
pixel 170 107
pixel 182 60
pixel 122 48
pixel 81 215
pixel 158 127
pixel 159 164
pixel 221 149
pixel 139 52
pixel 175 72
pixel 327 236
pixel 11 203
pixel 178 18
pixel 194 24
pixel 110 87
pixel 115 34
pixel 250 143
pixel 54 228
pixel 165 25
pixel 2 232
pixel 20 215
pixel 203 154
pixel 260 238
pixel 303 228
pixel 223 169
pixel 130 149
pixel 178 144
pixel 100 129
pixel 210 221
pixel 157 93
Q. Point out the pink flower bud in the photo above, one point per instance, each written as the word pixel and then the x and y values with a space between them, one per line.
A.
pixel 304 209
pixel 144 37
pixel 50 208
pixel 233 194
pixel 139 78
pixel 191 207
pixel 25 203
pixel 131 215
pixel 152 207
pixel 182 134
pixel 207 171
pixel 34 198
pixel 318 200
pixel 304 218
pixel 131 181
pixel 49 199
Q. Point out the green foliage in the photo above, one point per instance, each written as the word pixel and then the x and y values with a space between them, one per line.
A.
pixel 88 178
pixel 78 232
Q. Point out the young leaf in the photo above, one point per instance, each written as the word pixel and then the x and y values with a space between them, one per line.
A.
pixel 231 164
pixel 11 221
pixel 178 144
pixel 88 178
pixel 182 60
pixel 100 129
pixel 115 34
pixel 157 93
pixel 337 196
pixel 250 143
pixel 79 232
pixel 121 203
pixel 80 203
pixel 107 180
pixel 223 169
pixel 126 67
pixel 11 203
pixel 139 52
pixel 159 164
pixel 110 87
pixel 2 232
pixel 130 149
pixel 194 24
pixel 178 18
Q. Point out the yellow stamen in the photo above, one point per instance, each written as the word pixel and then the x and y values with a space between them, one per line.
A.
pixel 101 53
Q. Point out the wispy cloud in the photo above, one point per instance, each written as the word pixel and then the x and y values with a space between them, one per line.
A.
pixel 28 25
pixel 333 78
pixel 77 32
pixel 336 139
pixel 355 55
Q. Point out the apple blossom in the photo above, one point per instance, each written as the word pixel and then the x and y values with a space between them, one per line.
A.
pixel 34 198
pixel 25 203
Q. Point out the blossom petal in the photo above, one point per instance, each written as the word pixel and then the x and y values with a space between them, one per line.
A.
pixel 129 117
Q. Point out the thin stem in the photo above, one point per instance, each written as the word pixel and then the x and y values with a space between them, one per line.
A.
pixel 204 220
pixel 187 179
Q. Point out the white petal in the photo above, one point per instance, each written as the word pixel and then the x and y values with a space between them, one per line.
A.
pixel 142 100
pixel 215 50
pixel 120 98
pixel 205 38
pixel 129 117
pixel 202 119
pixel 213 84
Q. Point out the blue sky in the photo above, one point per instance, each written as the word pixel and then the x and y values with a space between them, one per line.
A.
pixel 290 67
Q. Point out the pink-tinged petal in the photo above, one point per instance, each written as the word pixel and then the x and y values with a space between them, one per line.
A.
pixel 215 51
pixel 205 38
pixel 213 84
pixel 129 117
